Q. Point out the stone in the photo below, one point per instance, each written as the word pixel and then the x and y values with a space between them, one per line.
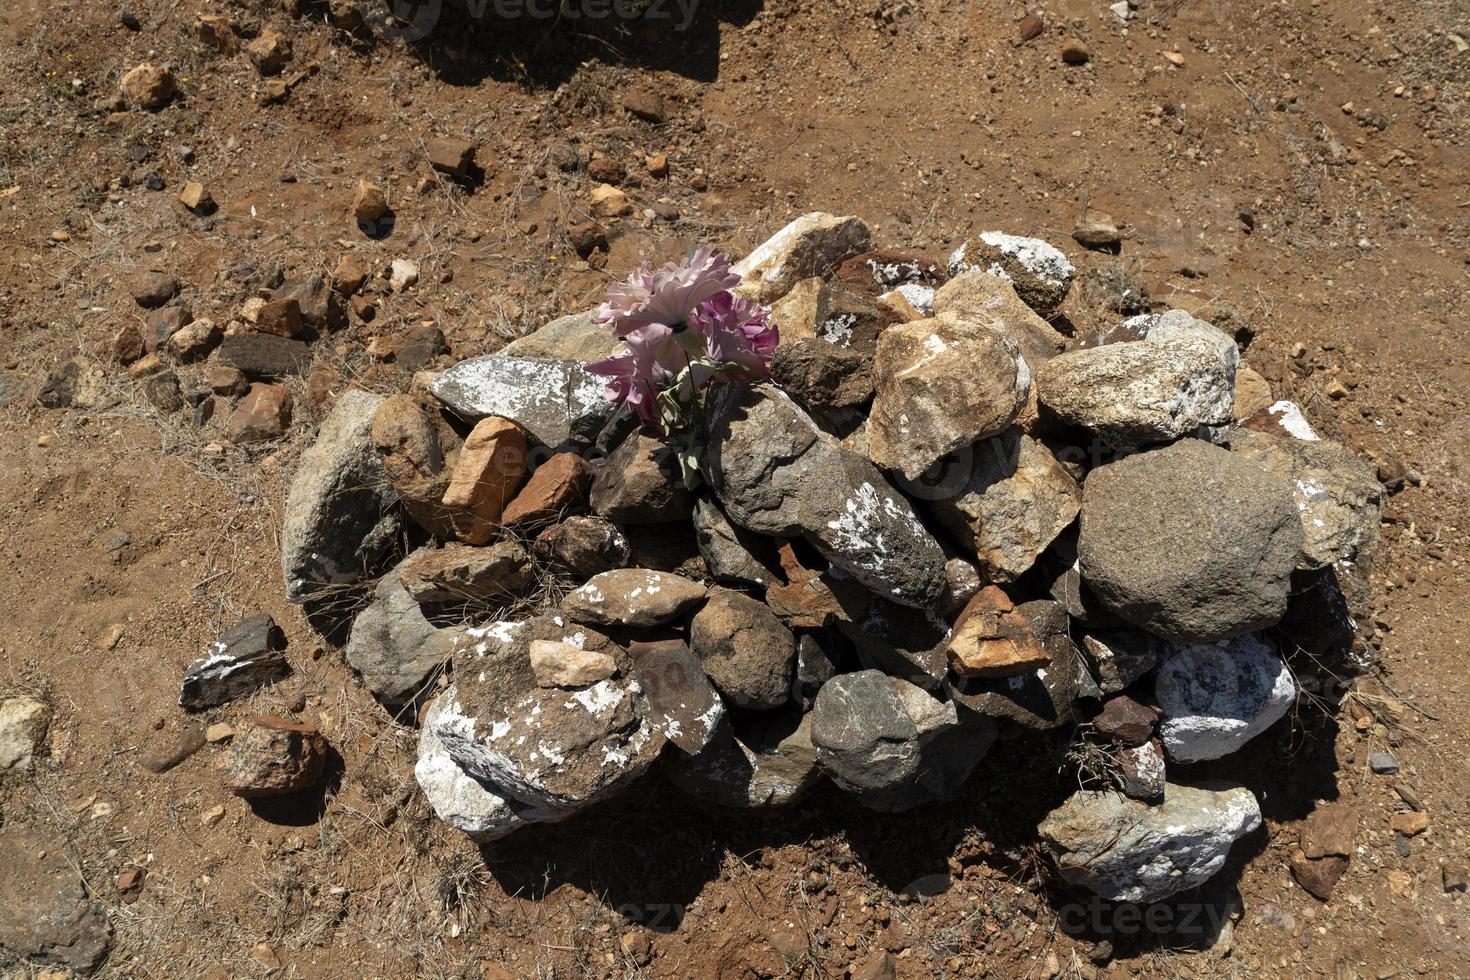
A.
pixel 247 656
pixel 1282 418
pixel 1030 26
pixel 1125 721
pixel 351 274
pixel 879 966
pixel 815 666
pixel 950 746
pixel 322 308
pixel 272 756
pixel 1098 230
pixel 941 384
pixel 1190 542
pixel 1074 52
pixel 46 915
pixel 807 596
pixel 1135 394
pixel 962 583
pixel 76 383
pixel 899 640
pixel 889 268
pixel 1330 830
pixel 607 201
pixel 1125 851
pixel 1120 657
pixel 1216 697
pixel 149 86
pixel 459 573
pixel 190 739
pixel 161 389
pixel 457 798
pixel 411 443
pixel 197 198
pixel 577 337
pixel 151 289
pixel 23 725
pixel 683 705
pixel 127 344
pixel 1252 394
pixel 490 468
pixel 811 245
pixel 194 341
pixel 637 597
pixel 217 32
pixel 978 297
pixel 864 737
pixel 558 664
pixel 733 554
pixel 821 375
pixel 646 105
pixel 640 484
pixel 991 639
pixel 1039 272
pixel 549 748
pixel 264 356
pixel 269 52
pixel 403 275
pixel 452 157
pixel 1319 876
pixel 1143 771
pixel 745 650
pixel 339 518
pixel 1337 495
pixel 583 546
pixel 1041 699
pixel 766 760
pixel 1179 325
pixel 586 238
pixel 760 458
pixel 1007 499
pixel 280 317
pixel 393 646
pixel 163 324
pixel 557 402
pixel 1383 763
pixel 264 413
pixel 817 309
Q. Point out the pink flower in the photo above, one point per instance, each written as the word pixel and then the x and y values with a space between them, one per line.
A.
pixel 667 296
pixel 739 334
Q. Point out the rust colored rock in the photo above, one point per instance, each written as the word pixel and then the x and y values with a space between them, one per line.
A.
pixel 992 639
pixel 1125 721
pixel 451 156
pixel 555 489
pixel 281 317
pixel 1318 876
pixel 271 755
pixel 127 343
pixel 811 599
pixel 491 465
pixel 264 413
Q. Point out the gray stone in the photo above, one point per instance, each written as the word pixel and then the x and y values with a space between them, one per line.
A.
pixel 556 401
pixel 640 484
pixel 1007 499
pixel 1174 324
pixel 340 518
pixel 822 310
pixel 950 746
pixel 941 384
pixel 900 641
pixel 393 647
pixel 765 761
pixel 1383 763
pixel 45 913
pixel 264 356
pixel 745 650
pixel 577 337
pixel 760 457
pixel 1217 697
pixel 815 666
pixel 1126 851
pixel 23 724
pixel 732 554
pixel 1337 495
pixel 1190 542
pixel 1141 393
pixel 683 706
pixel 864 736
pixel 1040 273
pixel 639 597
pixel 1120 657
pixel 249 655
pixel 812 245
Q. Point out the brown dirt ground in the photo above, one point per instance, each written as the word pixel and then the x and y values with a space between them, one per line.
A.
pixel 1353 268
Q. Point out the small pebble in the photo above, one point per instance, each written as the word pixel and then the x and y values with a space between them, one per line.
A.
pixel 1383 763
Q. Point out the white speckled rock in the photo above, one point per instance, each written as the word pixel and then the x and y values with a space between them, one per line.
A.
pixel 633 597
pixel 1126 851
pixel 23 724
pixel 1039 271
pixel 1217 697
pixel 812 245
pixel 557 402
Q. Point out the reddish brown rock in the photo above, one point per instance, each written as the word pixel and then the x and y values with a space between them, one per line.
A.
pixel 127 343
pixel 1318 876
pixel 451 156
pixel 811 599
pixel 281 317
pixel 1330 831
pixel 417 460
pixel 1126 721
pixel 490 468
pixel 264 413
pixel 555 489
pixel 992 639
pixel 269 52
pixel 149 86
pixel 271 755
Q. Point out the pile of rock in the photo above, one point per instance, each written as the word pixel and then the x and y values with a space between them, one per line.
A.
pixel 944 522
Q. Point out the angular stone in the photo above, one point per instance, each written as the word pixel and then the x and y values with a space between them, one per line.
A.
pixel 1179 325
pixel 1007 499
pixel 1337 495
pixel 1040 273
pixel 633 597
pixel 815 666
pixel 249 655
pixel 583 546
pixel 1190 542
pixel 161 389
pixel 1317 876
pixel 732 554
pixel 1137 394
pixel 45 913
pixel 77 383
pixel 269 52
pixel 1252 394
pixel 899 640
pixel 640 484
pixel 812 245
pixel 822 376
pixel 149 86
pixel 553 749
pixel 979 297
pixel 1330 830
pixel 1125 851
pixel 339 514
pixel 486 476
pixel 863 735
pixel 950 746
pixel 683 705
pixel 163 324
pixel 816 309
pixel 1217 697
pixel 577 337
pixel 556 489
pixel 263 355
pixel 1120 657
pixel 745 650
pixel 418 454
pixel 1125 721
pixel 23 724
pixel 558 664
pixel 279 317
pixel 151 289
pixel 991 639
pixel 127 343
pixel 393 647
pixel 1042 699
pixel 194 340
pixel 760 457
pixel 264 413
pixel 453 157
pixel 767 760
pixel 1143 771
pixel 887 268
pixel 942 384
pixel 557 402
pixel 458 573
pixel 271 756
pixel 369 201
pixel 812 598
